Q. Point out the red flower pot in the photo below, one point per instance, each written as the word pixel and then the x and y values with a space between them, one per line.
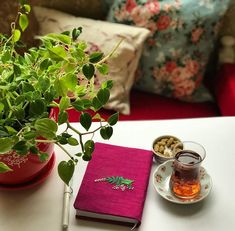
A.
pixel 26 168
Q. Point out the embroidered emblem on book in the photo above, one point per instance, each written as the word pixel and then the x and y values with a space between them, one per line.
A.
pixel 118 182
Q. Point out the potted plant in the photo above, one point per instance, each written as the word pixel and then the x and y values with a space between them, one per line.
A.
pixel 34 82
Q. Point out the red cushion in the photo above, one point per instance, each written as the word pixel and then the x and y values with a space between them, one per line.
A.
pixel 225 90
pixel 147 106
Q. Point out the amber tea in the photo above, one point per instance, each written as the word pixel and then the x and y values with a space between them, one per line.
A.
pixel 185 179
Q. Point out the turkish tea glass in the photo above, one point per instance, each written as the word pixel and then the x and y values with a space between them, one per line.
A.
pixel 185 178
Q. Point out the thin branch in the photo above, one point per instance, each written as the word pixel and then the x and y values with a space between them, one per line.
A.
pixel 45 141
pixel 111 53
pixel 64 150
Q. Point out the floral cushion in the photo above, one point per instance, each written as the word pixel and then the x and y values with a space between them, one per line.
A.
pixel 183 35
pixel 101 35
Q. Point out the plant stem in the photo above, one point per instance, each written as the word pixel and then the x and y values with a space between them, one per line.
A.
pixel 73 129
pixel 45 141
pixel 10 106
pixel 111 53
pixel 54 104
pixel 64 150
pixel 85 133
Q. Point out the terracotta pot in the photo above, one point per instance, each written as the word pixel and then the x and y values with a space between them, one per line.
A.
pixel 25 168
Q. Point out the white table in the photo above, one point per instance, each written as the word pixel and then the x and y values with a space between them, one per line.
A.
pixel 40 208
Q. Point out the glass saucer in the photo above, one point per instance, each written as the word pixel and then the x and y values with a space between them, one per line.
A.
pixel 161 179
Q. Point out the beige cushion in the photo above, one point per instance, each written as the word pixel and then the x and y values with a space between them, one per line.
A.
pixel 228 28
pixel 103 35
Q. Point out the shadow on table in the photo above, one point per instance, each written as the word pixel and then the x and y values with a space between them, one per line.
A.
pixel 186 209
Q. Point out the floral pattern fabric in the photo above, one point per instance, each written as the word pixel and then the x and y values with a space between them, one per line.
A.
pixel 101 35
pixel 183 35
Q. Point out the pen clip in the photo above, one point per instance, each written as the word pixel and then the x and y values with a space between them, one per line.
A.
pixel 68 189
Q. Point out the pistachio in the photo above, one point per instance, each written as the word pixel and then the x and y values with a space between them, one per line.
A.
pixel 166 145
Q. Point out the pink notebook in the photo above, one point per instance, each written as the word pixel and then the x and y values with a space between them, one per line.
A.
pixel 115 184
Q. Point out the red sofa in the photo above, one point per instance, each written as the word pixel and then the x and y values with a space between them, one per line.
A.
pixel 147 106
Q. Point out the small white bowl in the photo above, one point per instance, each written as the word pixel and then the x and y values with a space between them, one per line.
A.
pixel 163 148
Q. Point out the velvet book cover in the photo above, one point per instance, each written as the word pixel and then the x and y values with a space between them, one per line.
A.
pixel 115 184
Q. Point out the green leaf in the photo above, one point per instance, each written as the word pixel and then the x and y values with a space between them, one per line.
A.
pixel 10 78
pixel 76 32
pixel 112 120
pixel 23 22
pixel 6 56
pixel 78 105
pixel 43 156
pixel 20 99
pixel 21 148
pixel 66 170
pixel 57 53
pixel 44 83
pixel 3 133
pixel 103 69
pixel 34 150
pixel 67 32
pixel 45 64
pixel 30 135
pixel 17 70
pixel 106 132
pixel 88 70
pixel 87 103
pixel 96 104
pixel 6 144
pixel 49 96
pixel 46 128
pixel 70 81
pixel 107 84
pixel 62 117
pixel 19 113
pixel 80 90
pixel 60 88
pixel 86 157
pixel 4 168
pixel 79 154
pixel 60 37
pixel 16 35
pixel 37 107
pixel 64 103
pixel 1 107
pixel 72 141
pixel 103 95
pixel 11 130
pixel 66 135
pixel 89 147
pixel 27 8
pixel 27 87
pixel 62 140
pixel 95 57
pixel 86 120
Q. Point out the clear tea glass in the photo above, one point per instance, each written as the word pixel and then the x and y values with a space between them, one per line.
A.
pixel 185 178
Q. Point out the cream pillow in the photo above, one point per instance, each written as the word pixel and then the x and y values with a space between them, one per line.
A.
pixel 104 36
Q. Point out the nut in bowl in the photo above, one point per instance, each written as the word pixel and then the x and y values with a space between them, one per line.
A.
pixel 164 148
